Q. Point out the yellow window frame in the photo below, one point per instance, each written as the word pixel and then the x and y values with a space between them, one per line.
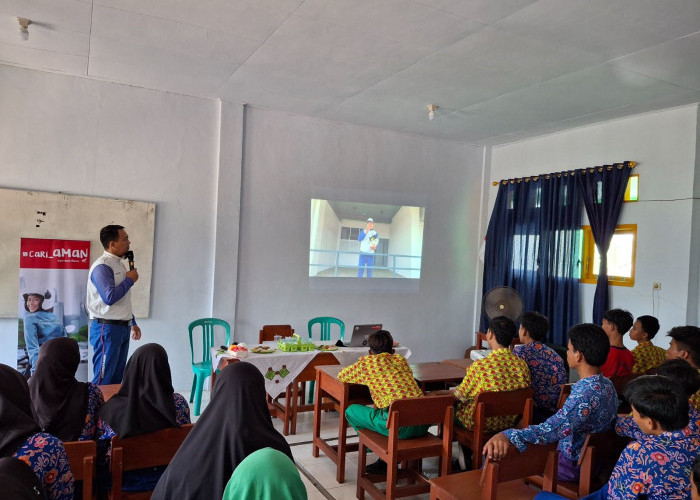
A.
pixel 589 249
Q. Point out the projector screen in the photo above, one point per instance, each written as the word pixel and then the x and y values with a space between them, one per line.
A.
pixel 365 240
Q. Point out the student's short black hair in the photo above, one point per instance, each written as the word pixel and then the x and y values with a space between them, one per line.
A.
pixel 380 341
pixel 591 341
pixel 504 330
pixel 681 371
pixel 696 473
pixel 659 398
pixel 109 233
pixel 536 324
pixel 650 325
pixel 623 320
pixel 688 339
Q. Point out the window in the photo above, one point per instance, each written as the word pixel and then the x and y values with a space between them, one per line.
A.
pixel 632 191
pixel 621 256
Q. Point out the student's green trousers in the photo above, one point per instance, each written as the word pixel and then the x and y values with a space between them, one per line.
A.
pixel 366 417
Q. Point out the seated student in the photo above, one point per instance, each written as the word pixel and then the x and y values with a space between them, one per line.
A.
pixel 547 370
pixel 235 423
pixel 62 406
pixel 19 481
pixel 688 378
pixel 695 479
pixel 389 377
pixel 266 474
pixel 20 438
pixel 616 322
pixel 685 344
pixel 646 355
pixel 655 468
pixel 589 408
pixel 145 403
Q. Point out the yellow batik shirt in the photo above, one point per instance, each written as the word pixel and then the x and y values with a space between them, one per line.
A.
pixel 695 399
pixel 500 371
pixel 388 377
pixel 647 356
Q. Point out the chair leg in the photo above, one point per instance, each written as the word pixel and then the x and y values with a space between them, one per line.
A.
pixel 312 385
pixel 361 464
pixel 198 395
pixel 194 381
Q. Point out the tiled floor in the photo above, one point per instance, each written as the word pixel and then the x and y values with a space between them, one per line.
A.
pixel 318 474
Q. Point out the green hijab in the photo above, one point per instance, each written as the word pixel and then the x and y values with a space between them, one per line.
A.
pixel 266 474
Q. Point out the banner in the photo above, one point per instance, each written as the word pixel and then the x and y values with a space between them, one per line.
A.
pixel 52 287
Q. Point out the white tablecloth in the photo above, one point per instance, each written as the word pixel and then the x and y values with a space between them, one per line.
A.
pixel 280 368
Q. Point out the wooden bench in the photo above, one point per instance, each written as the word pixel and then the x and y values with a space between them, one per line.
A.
pixel 81 459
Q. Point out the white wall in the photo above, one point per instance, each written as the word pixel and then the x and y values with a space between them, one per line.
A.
pixel 60 133
pixel 664 145
pixel 288 160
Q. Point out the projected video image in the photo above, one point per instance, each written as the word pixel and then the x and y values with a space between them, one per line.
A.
pixel 365 240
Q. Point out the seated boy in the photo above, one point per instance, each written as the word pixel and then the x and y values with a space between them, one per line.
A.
pixel 547 370
pixel 654 468
pixel 685 344
pixel 389 377
pixel 616 322
pixel 688 378
pixel 646 355
pixel 590 407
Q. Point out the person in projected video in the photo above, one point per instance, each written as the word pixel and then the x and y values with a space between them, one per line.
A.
pixel 40 324
pixel 369 239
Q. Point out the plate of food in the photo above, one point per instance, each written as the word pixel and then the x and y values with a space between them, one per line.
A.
pixel 328 347
pixel 263 349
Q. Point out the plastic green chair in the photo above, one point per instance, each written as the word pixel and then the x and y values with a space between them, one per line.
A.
pixel 202 369
pixel 326 322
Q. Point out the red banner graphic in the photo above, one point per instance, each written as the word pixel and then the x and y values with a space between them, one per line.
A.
pixel 54 254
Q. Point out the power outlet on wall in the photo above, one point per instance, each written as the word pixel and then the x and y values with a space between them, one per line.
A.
pixel 656 285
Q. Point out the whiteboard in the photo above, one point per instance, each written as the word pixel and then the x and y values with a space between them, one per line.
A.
pixel 33 214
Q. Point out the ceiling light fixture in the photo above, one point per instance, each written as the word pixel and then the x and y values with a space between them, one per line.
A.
pixel 24 27
pixel 431 111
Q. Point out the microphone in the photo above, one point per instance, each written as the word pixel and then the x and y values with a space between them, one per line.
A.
pixel 130 257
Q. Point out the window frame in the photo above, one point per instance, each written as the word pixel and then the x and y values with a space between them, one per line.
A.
pixel 588 252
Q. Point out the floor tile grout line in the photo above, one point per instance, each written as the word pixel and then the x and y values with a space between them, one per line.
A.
pixel 314 481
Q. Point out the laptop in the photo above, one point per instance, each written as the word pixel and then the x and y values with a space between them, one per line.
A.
pixel 360 334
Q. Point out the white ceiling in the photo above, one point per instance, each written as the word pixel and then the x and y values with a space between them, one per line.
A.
pixel 499 70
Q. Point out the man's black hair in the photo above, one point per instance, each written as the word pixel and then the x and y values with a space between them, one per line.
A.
pixel 623 320
pixel 536 324
pixel 380 341
pixel 109 233
pixel 681 371
pixel 688 339
pixel 504 330
pixel 591 341
pixel 650 325
pixel 659 398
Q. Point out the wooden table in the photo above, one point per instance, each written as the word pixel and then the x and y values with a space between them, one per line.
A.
pixel 436 375
pixel 342 395
pixel 463 363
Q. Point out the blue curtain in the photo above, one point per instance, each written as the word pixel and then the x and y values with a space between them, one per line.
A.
pixel 603 192
pixel 532 245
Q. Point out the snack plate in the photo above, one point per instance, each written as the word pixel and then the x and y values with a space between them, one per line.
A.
pixel 259 350
pixel 326 348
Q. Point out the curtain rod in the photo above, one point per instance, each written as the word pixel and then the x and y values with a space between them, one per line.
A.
pixel 565 173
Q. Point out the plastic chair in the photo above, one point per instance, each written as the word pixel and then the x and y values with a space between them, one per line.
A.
pixel 325 322
pixel 268 332
pixel 202 369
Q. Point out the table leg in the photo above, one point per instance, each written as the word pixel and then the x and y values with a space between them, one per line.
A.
pixel 317 417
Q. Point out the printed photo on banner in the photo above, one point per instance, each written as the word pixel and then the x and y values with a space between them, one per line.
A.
pixel 52 287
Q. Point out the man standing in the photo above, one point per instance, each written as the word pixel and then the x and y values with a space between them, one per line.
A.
pixel 109 307
pixel 369 239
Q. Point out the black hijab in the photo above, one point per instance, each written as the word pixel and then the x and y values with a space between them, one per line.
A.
pixel 144 402
pixel 59 402
pixel 19 482
pixel 235 424
pixel 16 420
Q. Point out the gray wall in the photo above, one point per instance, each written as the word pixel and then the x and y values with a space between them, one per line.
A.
pixel 290 159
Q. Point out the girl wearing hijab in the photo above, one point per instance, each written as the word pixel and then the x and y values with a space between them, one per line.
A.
pixel 266 474
pixel 145 403
pixel 40 325
pixel 61 405
pixel 20 438
pixel 235 424
pixel 19 481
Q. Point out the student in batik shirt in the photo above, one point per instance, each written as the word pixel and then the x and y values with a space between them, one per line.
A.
pixel 590 407
pixel 547 370
pixel 657 466
pixel 685 344
pixel 617 322
pixel 389 377
pixel 688 378
pixel 646 355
